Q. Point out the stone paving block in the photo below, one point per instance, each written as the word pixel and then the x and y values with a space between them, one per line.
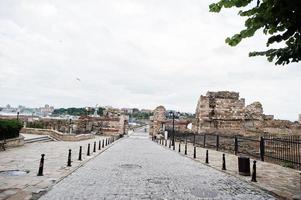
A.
pixel 137 168
pixel 27 157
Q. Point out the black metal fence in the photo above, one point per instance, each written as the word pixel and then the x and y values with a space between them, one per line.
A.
pixel 284 150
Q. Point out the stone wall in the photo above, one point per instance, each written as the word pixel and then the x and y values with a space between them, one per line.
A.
pixel 157 121
pixel 220 110
pixel 60 125
pixel 57 135
pixel 14 142
pixel 281 127
pixel 226 112
pixel 104 125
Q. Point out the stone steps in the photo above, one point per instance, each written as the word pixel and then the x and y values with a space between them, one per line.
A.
pixel 40 139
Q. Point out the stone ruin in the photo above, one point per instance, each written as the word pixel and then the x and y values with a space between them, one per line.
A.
pixel 159 123
pixel 226 111
pixel 103 125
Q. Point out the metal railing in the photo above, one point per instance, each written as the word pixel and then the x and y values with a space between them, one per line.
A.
pixel 284 150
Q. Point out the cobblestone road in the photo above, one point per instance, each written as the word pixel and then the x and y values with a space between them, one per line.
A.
pixel 137 168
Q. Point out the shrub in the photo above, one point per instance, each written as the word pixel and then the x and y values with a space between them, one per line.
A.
pixel 9 128
pixel 36 124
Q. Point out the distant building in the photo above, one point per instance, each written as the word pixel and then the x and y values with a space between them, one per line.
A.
pixel 111 112
pixel 135 110
pixel 130 110
pixel 146 111
pixel 8 109
pixel 46 110
pixel 127 110
pixel 299 118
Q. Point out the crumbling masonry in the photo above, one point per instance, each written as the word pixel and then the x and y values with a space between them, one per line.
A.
pixel 224 110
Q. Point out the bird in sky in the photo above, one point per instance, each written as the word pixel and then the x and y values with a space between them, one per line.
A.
pixel 78 79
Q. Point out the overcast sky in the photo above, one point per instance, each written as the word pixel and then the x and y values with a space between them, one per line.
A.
pixel 134 53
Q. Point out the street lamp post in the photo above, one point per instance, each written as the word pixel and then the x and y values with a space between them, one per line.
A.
pixel 173 129
pixel 70 130
pixel 197 131
pixel 172 114
pixel 101 124
pixel 123 127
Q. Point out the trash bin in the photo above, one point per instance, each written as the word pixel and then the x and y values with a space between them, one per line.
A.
pixel 244 166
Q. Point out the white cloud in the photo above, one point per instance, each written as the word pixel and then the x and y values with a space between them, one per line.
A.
pixel 133 53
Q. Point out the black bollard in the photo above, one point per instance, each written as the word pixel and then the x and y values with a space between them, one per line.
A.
pixel 165 142
pixel 254 172
pixel 224 162
pixel 41 167
pixel 94 148
pixel 185 148
pixel 207 157
pixel 169 144
pixel 194 152
pixel 106 142
pixel 174 146
pixel 103 143
pixel 80 153
pixel 99 145
pixel 88 151
pixel 69 158
pixel 180 147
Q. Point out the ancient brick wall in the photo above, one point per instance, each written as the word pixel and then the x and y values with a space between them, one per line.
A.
pixel 220 110
pixel 226 112
pixel 157 121
pixel 104 125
